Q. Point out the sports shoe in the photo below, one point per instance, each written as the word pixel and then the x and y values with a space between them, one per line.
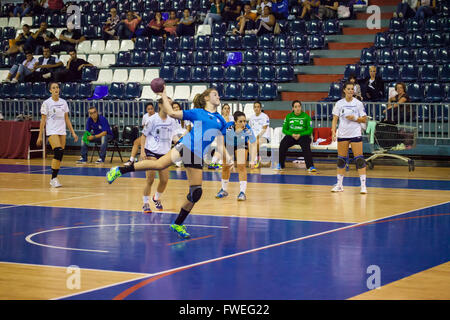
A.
pixel 99 161
pixel 128 163
pixel 181 230
pixel 157 203
pixel 81 161
pixel 113 174
pixel 241 196
pixel 47 75
pixel 221 194
pixel 278 168
pixel 214 166
pixel 363 190
pixel 146 209
pixel 14 80
pixel 311 169
pixel 337 188
pixel 54 183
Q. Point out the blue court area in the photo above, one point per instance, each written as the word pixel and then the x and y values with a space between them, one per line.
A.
pixel 227 257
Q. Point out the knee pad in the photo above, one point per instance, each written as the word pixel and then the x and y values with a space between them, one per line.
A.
pixel 341 162
pixel 195 193
pixel 360 162
pixel 58 153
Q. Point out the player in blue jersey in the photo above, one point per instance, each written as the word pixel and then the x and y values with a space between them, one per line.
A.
pixel 207 124
pixel 239 140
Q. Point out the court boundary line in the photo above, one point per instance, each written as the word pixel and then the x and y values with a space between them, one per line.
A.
pixel 54 200
pixel 182 268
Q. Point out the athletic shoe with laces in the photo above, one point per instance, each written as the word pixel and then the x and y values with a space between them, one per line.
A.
pixel 157 203
pixel 278 168
pixel 241 196
pixel 54 183
pixel 337 188
pixel 221 194
pixel 99 161
pixel 311 169
pixel 81 161
pixel 363 190
pixel 128 163
pixel 113 174
pixel 146 209
pixel 181 230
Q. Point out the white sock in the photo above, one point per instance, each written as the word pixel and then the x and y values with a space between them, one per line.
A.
pixel 363 180
pixel 224 184
pixel 243 186
pixel 145 199
pixel 340 179
pixel 214 160
pixel 132 159
pixel 157 195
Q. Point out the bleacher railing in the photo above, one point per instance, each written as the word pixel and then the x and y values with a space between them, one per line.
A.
pixel 430 119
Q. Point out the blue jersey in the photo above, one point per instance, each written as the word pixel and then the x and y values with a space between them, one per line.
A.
pixel 238 139
pixel 205 127
pixel 99 126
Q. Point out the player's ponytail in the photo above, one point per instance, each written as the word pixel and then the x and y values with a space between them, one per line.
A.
pixel 199 100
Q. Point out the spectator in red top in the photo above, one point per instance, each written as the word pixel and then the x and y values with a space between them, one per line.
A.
pixel 55 6
pixel 170 26
pixel 128 26
pixel 155 26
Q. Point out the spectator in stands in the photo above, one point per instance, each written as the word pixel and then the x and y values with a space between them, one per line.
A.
pixel 232 10
pixel 128 26
pixel 327 9
pixel 265 22
pixel 22 10
pixel 73 70
pixel 406 9
pixel 357 89
pixel 309 7
pixel 99 126
pixel 38 7
pixel 18 72
pixel 425 9
pixel 155 27
pixel 261 4
pixel 54 6
pixel 280 9
pixel 374 86
pixel 246 21
pixel 186 26
pixel 396 109
pixel 111 26
pixel 68 40
pixel 215 12
pixel 297 129
pixel 170 25
pixel 18 45
pixel 46 66
pixel 226 113
pixel 40 39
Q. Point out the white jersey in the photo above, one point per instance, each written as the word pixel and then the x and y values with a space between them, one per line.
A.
pixel 145 120
pixel 342 109
pixel 229 119
pixel 55 112
pixel 159 134
pixel 258 122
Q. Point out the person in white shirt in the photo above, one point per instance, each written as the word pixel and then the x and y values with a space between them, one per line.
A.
pixel 350 113
pixel 217 161
pixel 55 120
pixel 226 113
pixel 134 150
pixel 156 141
pixel 20 71
pixel 259 122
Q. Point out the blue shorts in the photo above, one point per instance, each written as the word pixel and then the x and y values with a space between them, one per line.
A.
pixel 354 139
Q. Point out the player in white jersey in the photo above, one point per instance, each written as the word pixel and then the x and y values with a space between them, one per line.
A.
pixel 134 150
pixel 156 141
pixel 259 122
pixel 55 119
pixel 350 113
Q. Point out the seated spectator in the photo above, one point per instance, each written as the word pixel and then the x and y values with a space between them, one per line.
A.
pixel 309 8
pixel 101 132
pixel 18 45
pixel 46 67
pixel 280 9
pixel 327 9
pixel 73 70
pixel 297 129
pixel 246 21
pixel 22 10
pixel 186 26
pixel 128 26
pixel 111 25
pixel 226 113
pixel 40 39
pixel 373 86
pixel 170 25
pixel 38 7
pixel 259 122
pixel 55 6
pixel 396 110
pixel 68 40
pixel 356 87
pixel 215 12
pixel 232 10
pixel 155 27
pixel 18 72
pixel 406 9
pixel 261 4
pixel 425 9
pixel 265 22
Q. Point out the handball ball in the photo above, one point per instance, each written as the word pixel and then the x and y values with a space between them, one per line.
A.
pixel 157 85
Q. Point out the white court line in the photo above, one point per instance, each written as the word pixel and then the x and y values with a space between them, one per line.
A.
pixel 45 190
pixel 258 249
pixel 28 238
pixel 36 171
pixel 54 200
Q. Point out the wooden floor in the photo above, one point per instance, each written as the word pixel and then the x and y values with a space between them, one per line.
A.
pixel 305 202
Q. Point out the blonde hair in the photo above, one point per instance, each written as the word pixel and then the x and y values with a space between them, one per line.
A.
pixel 200 98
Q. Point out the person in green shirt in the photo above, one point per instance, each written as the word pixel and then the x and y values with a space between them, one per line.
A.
pixel 297 129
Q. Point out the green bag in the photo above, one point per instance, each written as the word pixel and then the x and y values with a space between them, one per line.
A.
pixel 85 137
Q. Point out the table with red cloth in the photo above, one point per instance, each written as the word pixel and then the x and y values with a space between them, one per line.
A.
pixel 15 138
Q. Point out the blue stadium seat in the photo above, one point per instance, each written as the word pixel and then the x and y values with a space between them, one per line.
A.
pixel 217 57
pixel 409 72
pixel 84 90
pixel 89 74
pixel 399 40
pixel 417 40
pixel 404 56
pixel 444 74
pixel 302 56
pixel 445 24
pixel 351 69
pixel 142 43
pixel 282 41
pixel 171 43
pixel 185 58
pixel 157 43
pixel 250 42
pixel 429 73
pixel 39 90
pixel 167 73
pixel 368 56
pixel 389 73
pixel 218 86
pixel 297 26
pixel 316 42
pixel 414 25
pixel 268 91
pixel 385 56
pixel 218 42
pixel 250 57
pixel 249 73
pixel 123 59
pixel 23 90
pixel 331 26
pixel 432 24
pixel 396 25
pixel 434 92
pixel 233 42
pixel 216 73
pixel 266 73
pixel 201 58
pixel 285 73
pixel 203 43
pixel 299 41
pixel 93 19
pixel 265 57
pixel 168 58
pixel 436 39
pixel 116 91
pixel 382 40
pixel 219 28
pixel 250 91
pixel 186 43
pixel 364 72
pixel 8 90
pixel 415 92
pixel 132 91
pixel 335 92
pixel 233 73
pixel 424 56
pixel 182 74
pixel 266 41
pixel 69 90
pixel 151 5
pixel 283 57
pixel 442 55
pixel 138 58
pixel 232 91
pixel 314 27
pixel 199 74
pixel 153 58
pixel 137 6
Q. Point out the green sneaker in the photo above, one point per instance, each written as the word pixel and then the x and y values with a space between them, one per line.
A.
pixel 181 230
pixel 113 174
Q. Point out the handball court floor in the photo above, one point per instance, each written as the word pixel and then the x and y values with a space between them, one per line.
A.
pixel 292 239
